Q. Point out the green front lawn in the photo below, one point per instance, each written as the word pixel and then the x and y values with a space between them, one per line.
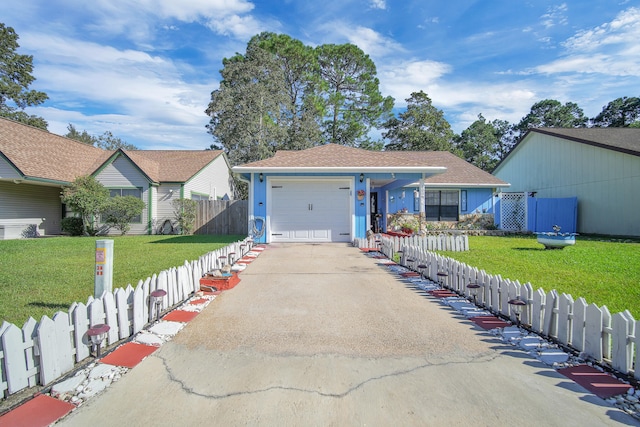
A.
pixel 604 273
pixel 41 276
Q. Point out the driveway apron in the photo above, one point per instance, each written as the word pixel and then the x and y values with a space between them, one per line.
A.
pixel 321 335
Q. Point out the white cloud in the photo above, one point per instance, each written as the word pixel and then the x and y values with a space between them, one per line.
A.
pixel 623 30
pixel 370 41
pixel 379 4
pixel 556 15
pixel 609 49
pixel 142 95
pixel 240 27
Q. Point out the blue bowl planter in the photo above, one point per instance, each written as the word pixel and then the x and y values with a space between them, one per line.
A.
pixel 556 240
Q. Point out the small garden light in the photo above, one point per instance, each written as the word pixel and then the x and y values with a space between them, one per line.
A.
pixel 518 305
pixel 97 334
pixel 156 301
pixel 473 290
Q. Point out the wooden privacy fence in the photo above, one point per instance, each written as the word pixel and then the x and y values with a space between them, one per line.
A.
pixel 441 242
pixel 585 328
pixel 42 352
pixel 222 217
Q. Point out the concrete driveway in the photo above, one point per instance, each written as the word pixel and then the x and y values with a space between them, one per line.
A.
pixel 320 335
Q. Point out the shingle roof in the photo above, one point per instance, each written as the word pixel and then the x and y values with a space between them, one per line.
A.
pixel 459 171
pixel 44 155
pixel 626 140
pixel 335 156
pixel 172 165
pixel 339 156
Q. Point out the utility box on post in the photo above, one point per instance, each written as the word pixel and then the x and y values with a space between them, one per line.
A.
pixel 104 268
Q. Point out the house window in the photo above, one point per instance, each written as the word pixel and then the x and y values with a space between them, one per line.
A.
pixel 199 196
pixel 442 205
pixel 135 192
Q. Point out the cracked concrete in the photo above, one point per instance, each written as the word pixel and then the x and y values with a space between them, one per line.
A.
pixel 319 335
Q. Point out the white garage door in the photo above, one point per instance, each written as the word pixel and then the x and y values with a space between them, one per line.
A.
pixel 310 210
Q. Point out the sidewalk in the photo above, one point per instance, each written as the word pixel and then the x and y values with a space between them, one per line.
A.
pixel 326 335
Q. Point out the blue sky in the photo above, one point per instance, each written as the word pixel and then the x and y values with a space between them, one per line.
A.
pixel 144 69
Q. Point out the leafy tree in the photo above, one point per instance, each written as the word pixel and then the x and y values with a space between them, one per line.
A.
pixel 299 69
pixel 120 211
pixel 83 136
pixel 422 127
pixel 106 141
pixel 15 79
pixel 87 197
pixel 621 112
pixel 551 113
pixel 185 211
pixel 479 143
pixel 350 91
pixel 246 109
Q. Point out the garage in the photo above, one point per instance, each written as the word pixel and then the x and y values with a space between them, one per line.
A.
pixel 309 210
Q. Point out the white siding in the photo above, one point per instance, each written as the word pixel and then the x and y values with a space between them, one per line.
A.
pixel 166 193
pixel 29 202
pixel 213 180
pixel 7 171
pixel 123 174
pixel 606 182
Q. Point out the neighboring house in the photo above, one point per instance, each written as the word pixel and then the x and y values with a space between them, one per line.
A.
pixel 599 166
pixel 332 193
pixel 35 165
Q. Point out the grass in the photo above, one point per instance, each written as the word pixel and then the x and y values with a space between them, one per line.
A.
pixel 41 276
pixel 604 273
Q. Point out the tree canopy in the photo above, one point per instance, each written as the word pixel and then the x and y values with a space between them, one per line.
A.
pixel 106 141
pixel 553 114
pixel 281 94
pixel 15 79
pixel 421 127
pixel 621 112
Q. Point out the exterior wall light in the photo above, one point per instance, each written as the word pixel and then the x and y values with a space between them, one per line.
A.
pixel 261 177
pixel 361 177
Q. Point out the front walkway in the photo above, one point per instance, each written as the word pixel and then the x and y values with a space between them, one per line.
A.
pixel 322 335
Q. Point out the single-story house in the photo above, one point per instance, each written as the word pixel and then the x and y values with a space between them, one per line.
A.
pixel 35 165
pixel 598 166
pixel 334 193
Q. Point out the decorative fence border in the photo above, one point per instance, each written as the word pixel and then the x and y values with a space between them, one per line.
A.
pixel 441 242
pixel 587 329
pixel 40 353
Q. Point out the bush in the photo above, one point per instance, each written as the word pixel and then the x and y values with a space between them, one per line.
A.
pixel 72 225
pixel 185 213
pixel 120 211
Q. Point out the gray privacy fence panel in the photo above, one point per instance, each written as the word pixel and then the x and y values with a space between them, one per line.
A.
pixel 587 329
pixel 222 217
pixel 41 352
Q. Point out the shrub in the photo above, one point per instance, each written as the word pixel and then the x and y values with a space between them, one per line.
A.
pixel 72 225
pixel 120 211
pixel 185 213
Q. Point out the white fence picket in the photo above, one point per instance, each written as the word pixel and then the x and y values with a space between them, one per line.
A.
pixel 16 370
pixel 593 332
pixel 549 327
pixel 578 324
pixel 79 320
pixel 111 317
pixel 565 318
pixel 622 352
pixel 54 346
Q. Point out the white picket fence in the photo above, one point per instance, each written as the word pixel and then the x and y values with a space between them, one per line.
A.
pixel 42 352
pixel 441 242
pixel 591 330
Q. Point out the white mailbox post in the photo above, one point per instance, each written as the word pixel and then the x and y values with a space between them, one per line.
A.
pixel 104 268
